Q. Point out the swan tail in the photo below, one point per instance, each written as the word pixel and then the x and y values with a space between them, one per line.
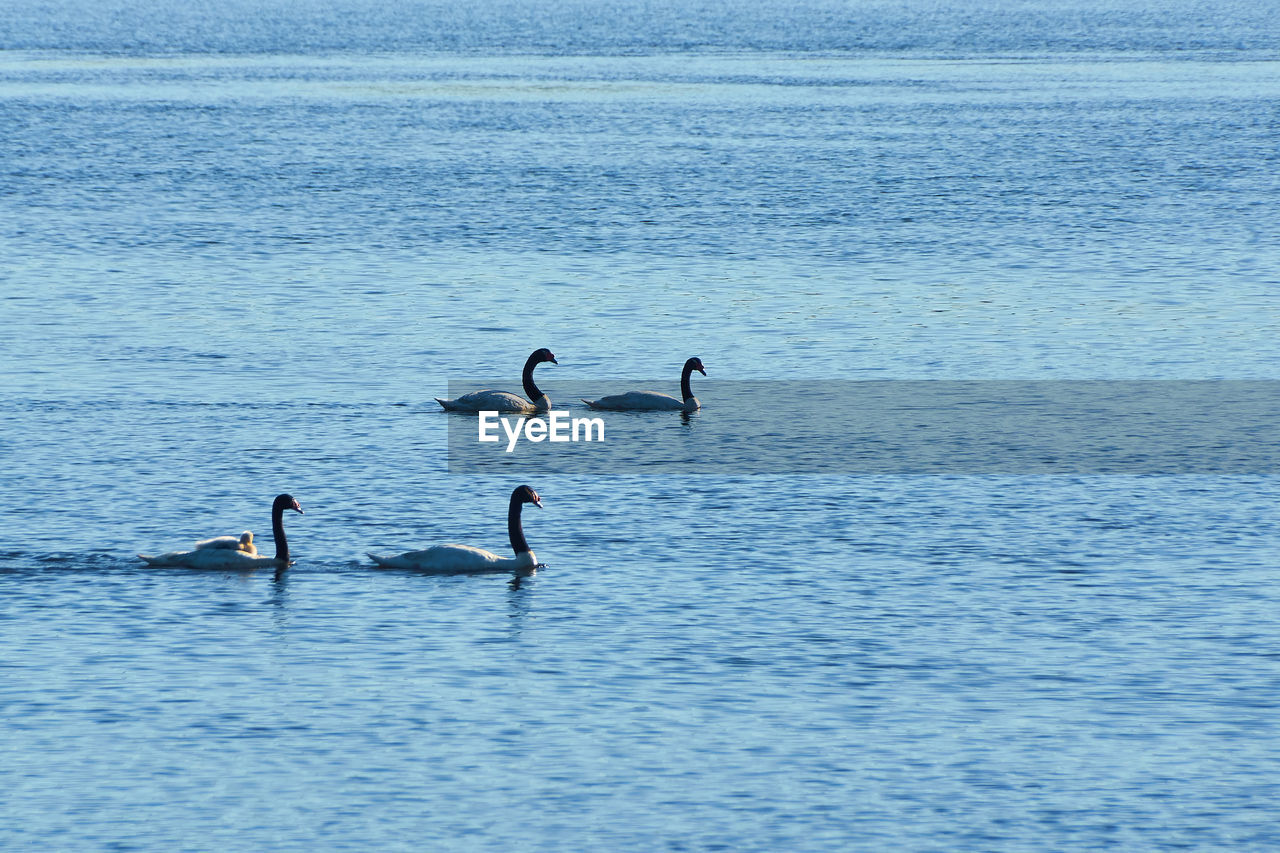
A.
pixel 381 561
pixel 589 403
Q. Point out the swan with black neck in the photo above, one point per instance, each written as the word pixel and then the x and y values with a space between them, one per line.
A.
pixel 209 556
pixel 464 558
pixel 652 401
pixel 505 401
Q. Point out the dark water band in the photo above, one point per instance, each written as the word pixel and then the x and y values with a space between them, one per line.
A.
pixel 907 427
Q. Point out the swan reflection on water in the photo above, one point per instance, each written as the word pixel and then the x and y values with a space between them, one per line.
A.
pixel 519 577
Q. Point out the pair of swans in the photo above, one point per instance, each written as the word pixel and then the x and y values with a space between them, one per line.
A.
pixel 631 401
pixel 225 552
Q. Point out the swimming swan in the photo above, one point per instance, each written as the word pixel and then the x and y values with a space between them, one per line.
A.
pixel 243 542
pixel 217 556
pixel 464 558
pixel 505 401
pixel 652 401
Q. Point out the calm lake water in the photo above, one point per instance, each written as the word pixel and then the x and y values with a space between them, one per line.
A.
pixel 242 248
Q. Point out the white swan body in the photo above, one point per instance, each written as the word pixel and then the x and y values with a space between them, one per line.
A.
pixel 652 401
pixel 644 401
pixel 211 558
pixel 505 401
pixel 456 558
pixel 495 401
pixel 228 552
pixel 464 558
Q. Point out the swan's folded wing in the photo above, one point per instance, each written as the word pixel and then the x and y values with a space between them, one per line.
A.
pixel 637 401
pixel 447 558
pixel 208 558
pixel 232 542
pixel 487 401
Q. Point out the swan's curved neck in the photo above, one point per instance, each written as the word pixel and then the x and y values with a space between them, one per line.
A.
pixel 514 529
pixel 685 390
pixel 530 390
pixel 277 532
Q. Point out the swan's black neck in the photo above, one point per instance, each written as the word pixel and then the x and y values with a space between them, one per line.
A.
pixel 518 543
pixel 530 390
pixel 277 532
pixel 685 390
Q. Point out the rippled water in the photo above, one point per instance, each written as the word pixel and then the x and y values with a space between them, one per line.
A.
pixel 241 250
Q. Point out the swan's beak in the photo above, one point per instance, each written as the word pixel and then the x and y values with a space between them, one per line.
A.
pixel 553 360
pixel 297 508
pixel 538 503
pixel 703 372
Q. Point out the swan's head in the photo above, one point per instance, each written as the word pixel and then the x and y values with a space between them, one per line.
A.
pixel 526 495
pixel 542 355
pixel 246 538
pixel 284 502
pixel 695 364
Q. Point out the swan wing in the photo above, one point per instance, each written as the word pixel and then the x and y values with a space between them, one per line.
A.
pixel 453 558
pixel 488 401
pixel 209 558
pixel 232 542
pixel 638 401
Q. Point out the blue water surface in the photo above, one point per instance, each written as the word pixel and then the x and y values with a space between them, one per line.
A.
pixel 243 245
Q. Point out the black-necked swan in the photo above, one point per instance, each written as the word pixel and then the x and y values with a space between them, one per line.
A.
pixel 219 557
pixel 464 558
pixel 652 401
pixel 243 542
pixel 505 401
